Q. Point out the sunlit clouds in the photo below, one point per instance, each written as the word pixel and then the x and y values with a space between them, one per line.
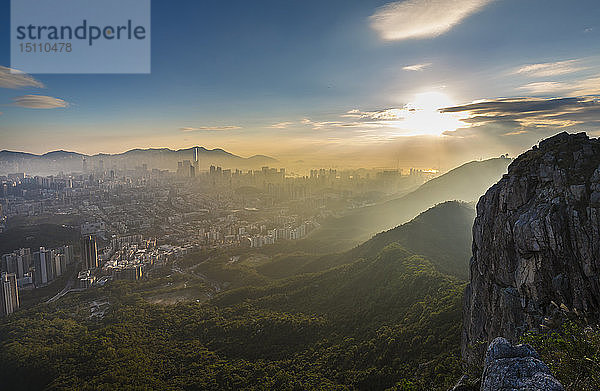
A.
pixel 422 18
pixel 549 69
pixel 39 102
pixel 523 114
pixel 421 116
pixel 209 128
pixel 15 79
pixel 417 67
pixel 12 78
pixel 281 125
pixel 378 115
pixel 586 86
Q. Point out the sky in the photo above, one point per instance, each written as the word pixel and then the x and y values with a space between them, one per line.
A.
pixel 419 83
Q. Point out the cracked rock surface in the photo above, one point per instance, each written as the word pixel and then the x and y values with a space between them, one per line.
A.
pixel 519 367
pixel 536 240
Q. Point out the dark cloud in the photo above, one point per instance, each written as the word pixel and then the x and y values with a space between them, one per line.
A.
pixel 518 115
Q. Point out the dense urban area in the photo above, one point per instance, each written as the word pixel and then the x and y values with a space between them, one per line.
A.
pixel 123 222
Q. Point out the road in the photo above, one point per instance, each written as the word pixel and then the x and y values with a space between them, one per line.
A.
pixel 66 289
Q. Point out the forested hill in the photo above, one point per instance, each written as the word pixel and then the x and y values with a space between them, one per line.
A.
pixel 391 321
pixel 442 234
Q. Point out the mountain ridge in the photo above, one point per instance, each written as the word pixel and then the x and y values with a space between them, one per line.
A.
pixel 53 162
pixel 465 183
pixel 133 150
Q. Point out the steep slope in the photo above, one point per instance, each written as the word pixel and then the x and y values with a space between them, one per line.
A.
pixel 465 183
pixel 536 240
pixel 443 234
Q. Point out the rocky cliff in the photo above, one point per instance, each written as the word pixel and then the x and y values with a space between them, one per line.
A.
pixel 536 243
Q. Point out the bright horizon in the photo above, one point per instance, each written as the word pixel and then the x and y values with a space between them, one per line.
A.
pixel 327 83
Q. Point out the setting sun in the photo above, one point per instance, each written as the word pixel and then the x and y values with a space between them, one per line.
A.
pixel 422 115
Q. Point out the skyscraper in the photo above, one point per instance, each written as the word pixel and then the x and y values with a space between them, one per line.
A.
pixel 9 294
pixel 41 262
pixel 196 159
pixel 23 262
pixel 90 252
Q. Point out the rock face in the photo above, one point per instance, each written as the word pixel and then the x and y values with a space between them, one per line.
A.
pixel 536 240
pixel 515 368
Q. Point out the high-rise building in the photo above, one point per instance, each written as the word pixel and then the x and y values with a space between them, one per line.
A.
pixel 50 269
pixel 42 261
pixel 58 264
pixel 9 294
pixel 23 262
pixel 197 160
pixel 9 263
pixel 90 252
pixel 69 253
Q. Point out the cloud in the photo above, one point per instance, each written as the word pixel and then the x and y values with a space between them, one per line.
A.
pixel 543 87
pixel 209 128
pixel 12 78
pixel 520 115
pixel 378 115
pixel 422 18
pixel 317 125
pixel 417 67
pixel 548 69
pixel 281 125
pixel 39 102
pixel 589 86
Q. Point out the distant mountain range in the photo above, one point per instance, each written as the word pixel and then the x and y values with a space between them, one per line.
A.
pixel 162 158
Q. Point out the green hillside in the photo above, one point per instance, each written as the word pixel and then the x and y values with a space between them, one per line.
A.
pixel 442 234
pixel 374 324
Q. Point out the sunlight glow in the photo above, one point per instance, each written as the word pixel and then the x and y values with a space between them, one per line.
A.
pixel 422 116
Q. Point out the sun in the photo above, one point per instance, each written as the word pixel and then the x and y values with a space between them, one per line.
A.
pixel 422 116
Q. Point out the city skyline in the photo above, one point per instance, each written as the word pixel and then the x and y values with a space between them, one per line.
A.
pixel 415 81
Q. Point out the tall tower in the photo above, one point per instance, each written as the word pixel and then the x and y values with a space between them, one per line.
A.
pixel 196 159
pixel 90 252
pixel 9 294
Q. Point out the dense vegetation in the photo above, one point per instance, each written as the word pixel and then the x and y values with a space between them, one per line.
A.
pixel 36 236
pixel 388 322
pixel 572 352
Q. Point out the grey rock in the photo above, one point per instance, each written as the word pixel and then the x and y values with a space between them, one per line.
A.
pixel 519 367
pixel 536 240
